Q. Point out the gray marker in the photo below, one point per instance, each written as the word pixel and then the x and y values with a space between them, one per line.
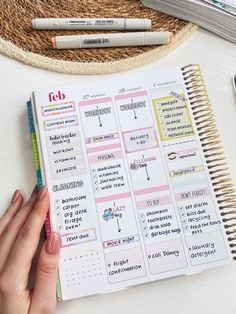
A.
pixel 92 24
pixel 112 40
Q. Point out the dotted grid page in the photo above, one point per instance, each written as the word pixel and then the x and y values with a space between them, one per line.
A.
pixel 130 193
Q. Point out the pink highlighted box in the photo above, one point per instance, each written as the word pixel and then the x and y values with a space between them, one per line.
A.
pixel 131 95
pixel 141 139
pixel 103 157
pixel 154 189
pixel 95 101
pixel 121 241
pixel 162 200
pixel 101 138
pixel 190 194
pixel 104 147
pixel 114 197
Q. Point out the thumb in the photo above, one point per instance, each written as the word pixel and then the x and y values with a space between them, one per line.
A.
pixel 44 294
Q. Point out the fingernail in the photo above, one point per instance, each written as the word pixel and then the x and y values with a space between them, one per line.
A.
pixel 15 196
pixel 53 244
pixel 42 193
pixel 35 191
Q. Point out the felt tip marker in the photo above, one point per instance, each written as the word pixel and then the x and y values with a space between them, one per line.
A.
pixel 112 40
pixel 92 24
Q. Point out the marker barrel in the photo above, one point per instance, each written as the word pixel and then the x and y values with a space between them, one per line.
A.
pixel 92 24
pixel 111 40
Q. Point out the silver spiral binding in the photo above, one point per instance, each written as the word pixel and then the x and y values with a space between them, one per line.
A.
pixel 212 149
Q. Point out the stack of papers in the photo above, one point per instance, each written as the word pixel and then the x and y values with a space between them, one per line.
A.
pixel 216 16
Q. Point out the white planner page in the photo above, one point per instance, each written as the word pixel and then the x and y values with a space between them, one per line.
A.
pixel 130 190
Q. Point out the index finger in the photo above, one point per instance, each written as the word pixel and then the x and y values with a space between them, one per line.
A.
pixel 26 243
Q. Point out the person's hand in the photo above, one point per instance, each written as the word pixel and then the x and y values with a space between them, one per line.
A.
pixel 20 228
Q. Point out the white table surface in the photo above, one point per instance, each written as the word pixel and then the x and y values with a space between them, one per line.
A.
pixel 212 291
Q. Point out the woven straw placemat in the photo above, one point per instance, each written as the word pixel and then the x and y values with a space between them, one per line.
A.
pixel 19 41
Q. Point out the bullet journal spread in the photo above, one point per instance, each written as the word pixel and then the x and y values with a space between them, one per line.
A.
pixel 137 180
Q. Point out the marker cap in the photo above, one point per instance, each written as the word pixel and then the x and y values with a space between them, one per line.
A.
pixel 137 24
pixel 154 38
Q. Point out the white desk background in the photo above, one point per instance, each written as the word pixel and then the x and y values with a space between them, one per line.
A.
pixel 212 291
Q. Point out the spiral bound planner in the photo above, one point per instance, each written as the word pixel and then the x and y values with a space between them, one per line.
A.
pixel 139 185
